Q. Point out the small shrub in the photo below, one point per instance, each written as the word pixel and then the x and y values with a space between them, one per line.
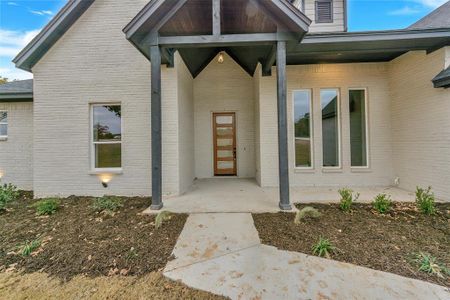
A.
pixel 382 203
pixel 46 206
pixel 323 248
pixel 425 200
pixel 429 264
pixel 29 247
pixel 108 204
pixel 8 193
pixel 161 217
pixel 307 211
pixel 131 254
pixel 347 198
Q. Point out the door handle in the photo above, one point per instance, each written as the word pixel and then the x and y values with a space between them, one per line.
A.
pixel 234 153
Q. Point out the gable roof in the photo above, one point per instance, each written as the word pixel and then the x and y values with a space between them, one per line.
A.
pixel 51 33
pixel 20 90
pixel 439 18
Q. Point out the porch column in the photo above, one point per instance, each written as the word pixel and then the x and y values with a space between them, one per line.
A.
pixel 155 58
pixel 283 160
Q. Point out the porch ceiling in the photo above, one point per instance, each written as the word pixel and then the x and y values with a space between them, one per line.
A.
pixel 246 29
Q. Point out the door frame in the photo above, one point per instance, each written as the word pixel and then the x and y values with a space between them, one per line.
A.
pixel 215 158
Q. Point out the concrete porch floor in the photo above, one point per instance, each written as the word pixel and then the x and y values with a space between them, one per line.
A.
pixel 221 195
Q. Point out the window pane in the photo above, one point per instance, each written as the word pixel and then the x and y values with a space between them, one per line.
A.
pixel 330 128
pixel 302 123
pixel 108 155
pixel 3 130
pixel 358 139
pixel 107 125
pixel 3 117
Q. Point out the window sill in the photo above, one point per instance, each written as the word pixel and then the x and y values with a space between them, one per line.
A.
pixel 106 171
pixel 3 138
pixel 332 170
pixel 304 170
pixel 360 170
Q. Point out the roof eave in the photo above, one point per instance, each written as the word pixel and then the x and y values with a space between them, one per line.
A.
pixel 16 97
pixel 51 33
pixel 442 80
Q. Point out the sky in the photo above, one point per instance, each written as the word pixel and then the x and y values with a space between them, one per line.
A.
pixel 21 20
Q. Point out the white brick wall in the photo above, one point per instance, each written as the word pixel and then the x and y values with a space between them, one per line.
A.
pixel 16 152
pixel 224 88
pixel 78 71
pixel 186 125
pixel 343 76
pixel 420 122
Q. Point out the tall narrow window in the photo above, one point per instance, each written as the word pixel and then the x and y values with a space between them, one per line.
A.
pixel 330 127
pixel 358 127
pixel 303 128
pixel 107 136
pixel 3 124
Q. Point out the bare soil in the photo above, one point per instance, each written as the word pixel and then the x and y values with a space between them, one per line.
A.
pixel 85 254
pixel 364 237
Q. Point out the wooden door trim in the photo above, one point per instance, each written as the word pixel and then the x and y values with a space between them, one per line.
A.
pixel 233 171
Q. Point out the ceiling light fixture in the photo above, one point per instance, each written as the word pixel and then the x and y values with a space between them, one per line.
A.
pixel 220 59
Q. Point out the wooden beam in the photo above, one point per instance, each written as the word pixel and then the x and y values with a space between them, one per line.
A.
pixel 250 39
pixel 216 17
pixel 269 62
pixel 156 113
pixel 283 158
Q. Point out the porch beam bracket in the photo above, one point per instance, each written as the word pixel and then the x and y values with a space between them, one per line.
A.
pixel 216 17
pixel 156 115
pixel 168 54
pixel 269 61
pixel 283 159
pixel 223 40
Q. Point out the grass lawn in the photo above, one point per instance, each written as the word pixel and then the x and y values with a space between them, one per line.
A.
pixel 364 237
pixel 80 253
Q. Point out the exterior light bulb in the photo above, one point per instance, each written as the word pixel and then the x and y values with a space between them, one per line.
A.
pixel 220 59
pixel 105 179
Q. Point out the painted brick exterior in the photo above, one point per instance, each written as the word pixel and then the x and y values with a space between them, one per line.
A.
pixel 16 153
pixel 224 88
pixel 420 122
pixel 342 76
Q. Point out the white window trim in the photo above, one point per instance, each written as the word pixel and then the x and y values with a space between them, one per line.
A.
pixel 338 92
pixel 5 137
pixel 95 170
pixel 311 129
pixel 366 114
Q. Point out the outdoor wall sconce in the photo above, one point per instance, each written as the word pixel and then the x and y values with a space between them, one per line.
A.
pixel 221 58
pixel 105 179
pixel 1 175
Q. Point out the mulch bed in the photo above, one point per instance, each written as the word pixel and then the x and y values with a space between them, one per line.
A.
pixel 78 241
pixel 364 237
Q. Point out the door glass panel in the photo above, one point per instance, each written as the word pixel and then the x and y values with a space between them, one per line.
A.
pixel 224 142
pixel 225 165
pixel 224 131
pixel 224 120
pixel 224 153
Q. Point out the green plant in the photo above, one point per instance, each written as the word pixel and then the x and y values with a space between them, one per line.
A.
pixel 131 254
pixel 382 203
pixel 307 211
pixel 108 204
pixel 29 247
pixel 429 264
pixel 425 200
pixel 347 198
pixel 8 193
pixel 323 248
pixel 46 206
pixel 161 217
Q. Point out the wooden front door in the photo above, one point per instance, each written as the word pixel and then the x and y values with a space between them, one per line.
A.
pixel 224 135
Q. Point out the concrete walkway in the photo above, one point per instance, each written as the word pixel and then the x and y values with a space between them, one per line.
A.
pixel 221 253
